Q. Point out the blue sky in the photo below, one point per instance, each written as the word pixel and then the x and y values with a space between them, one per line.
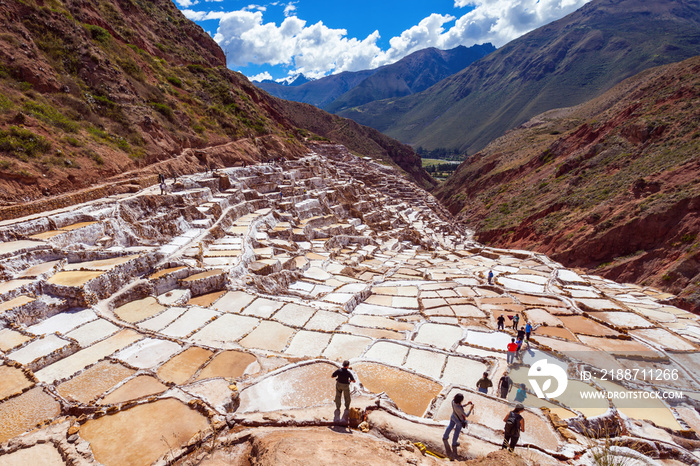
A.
pixel 280 39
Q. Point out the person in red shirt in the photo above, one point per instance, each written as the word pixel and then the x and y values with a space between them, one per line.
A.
pixel 512 351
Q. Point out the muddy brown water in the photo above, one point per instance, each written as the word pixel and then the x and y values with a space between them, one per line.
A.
pixel 16 302
pixel 10 339
pixel 183 366
pixel 25 411
pixel 12 381
pixel 613 344
pixel 142 434
pixel 207 274
pixel 411 393
pixel 164 272
pixel 94 381
pixel 555 332
pixel 586 326
pixel 228 364
pixel 73 277
pixel 141 309
pixel 138 387
pixel 206 300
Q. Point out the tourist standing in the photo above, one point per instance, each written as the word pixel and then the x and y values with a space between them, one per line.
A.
pixel 484 383
pixel 528 331
pixel 521 334
pixel 515 423
pixel 512 351
pixel 342 385
pixel 516 319
pixel 458 420
pixel 490 278
pixel 501 321
pixel 504 385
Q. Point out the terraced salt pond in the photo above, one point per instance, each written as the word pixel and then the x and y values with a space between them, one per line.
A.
pixel 243 323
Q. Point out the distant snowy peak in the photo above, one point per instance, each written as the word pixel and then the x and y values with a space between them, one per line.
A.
pixel 296 80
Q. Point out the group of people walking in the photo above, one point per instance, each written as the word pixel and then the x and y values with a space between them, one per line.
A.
pixel 514 422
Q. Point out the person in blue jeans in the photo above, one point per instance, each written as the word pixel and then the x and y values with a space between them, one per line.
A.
pixel 458 420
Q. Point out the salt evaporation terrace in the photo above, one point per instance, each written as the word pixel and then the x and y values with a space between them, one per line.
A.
pixel 133 327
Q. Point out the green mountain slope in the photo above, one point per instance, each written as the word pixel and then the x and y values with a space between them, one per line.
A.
pixel 564 63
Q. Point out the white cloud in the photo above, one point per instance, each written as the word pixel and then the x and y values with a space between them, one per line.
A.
pixel 313 50
pixel 317 50
pixel 186 3
pixel 500 21
pixel 289 9
pixel 261 76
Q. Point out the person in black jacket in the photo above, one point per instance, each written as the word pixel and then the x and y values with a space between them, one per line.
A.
pixel 514 425
pixel 342 385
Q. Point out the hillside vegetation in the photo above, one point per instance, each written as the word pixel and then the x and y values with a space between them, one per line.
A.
pixel 97 88
pixel 610 185
pixel 565 63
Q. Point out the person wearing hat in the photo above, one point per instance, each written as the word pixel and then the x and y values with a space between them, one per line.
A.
pixel 515 423
pixel 342 385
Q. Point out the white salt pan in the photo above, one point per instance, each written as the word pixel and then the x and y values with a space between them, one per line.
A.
pixel 372 309
pixel 441 336
pixel 518 285
pixel 188 322
pixel 93 331
pixel 68 366
pixel 63 322
pixel 163 319
pixel 234 301
pixel 424 362
pixel 325 320
pixel 294 314
pixel 174 297
pixel 344 347
pixel 225 330
pixel 463 371
pixel 308 344
pixel 38 348
pixel 496 340
pixel 388 353
pixel 539 279
pixel 148 352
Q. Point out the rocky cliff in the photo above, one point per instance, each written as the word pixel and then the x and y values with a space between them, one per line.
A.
pixel 94 89
pixel 609 186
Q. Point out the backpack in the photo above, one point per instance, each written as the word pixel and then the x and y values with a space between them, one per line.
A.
pixel 512 427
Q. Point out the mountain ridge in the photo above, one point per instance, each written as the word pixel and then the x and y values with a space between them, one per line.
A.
pixel 609 185
pixel 411 74
pixel 564 63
